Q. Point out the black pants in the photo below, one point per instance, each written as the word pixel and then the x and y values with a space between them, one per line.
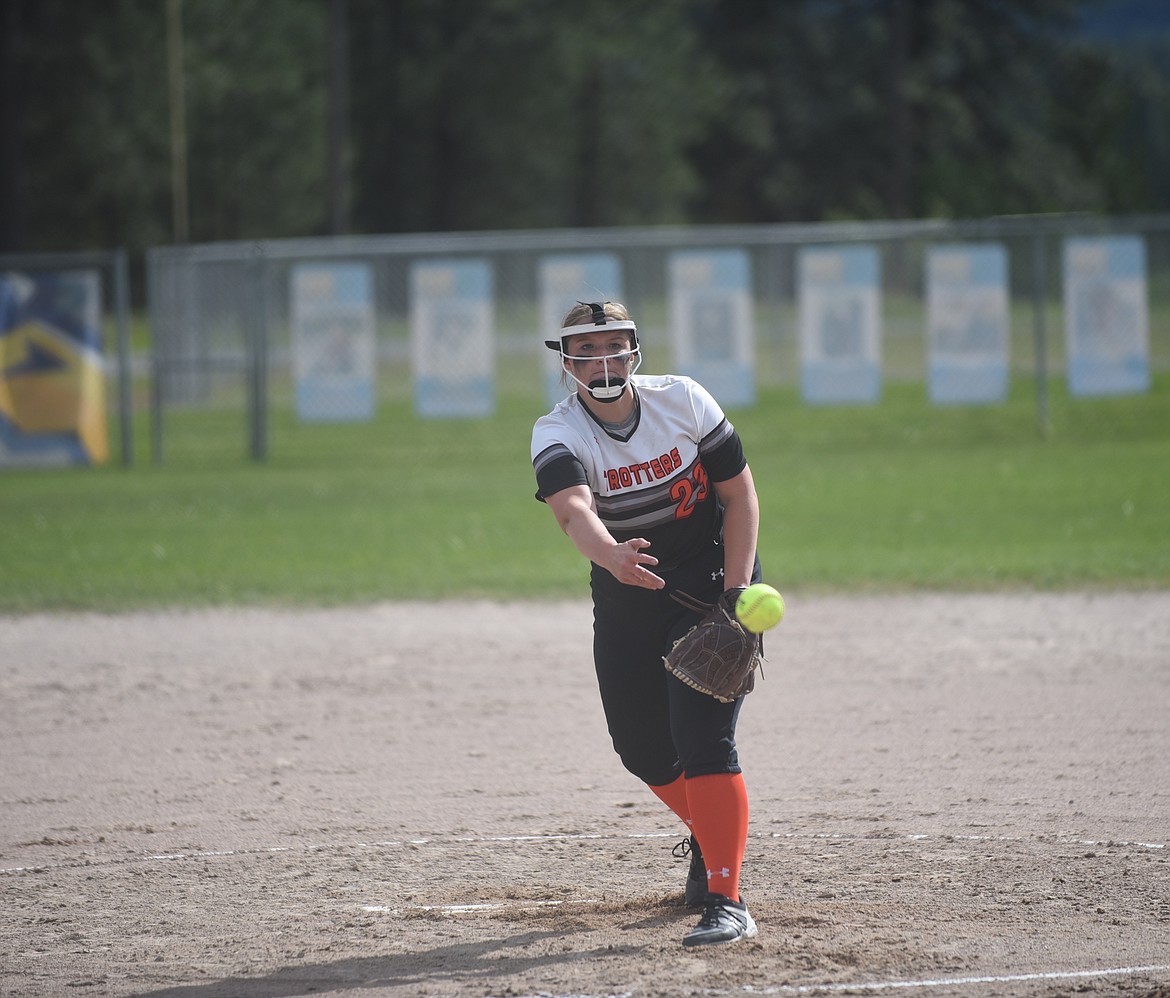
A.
pixel 660 726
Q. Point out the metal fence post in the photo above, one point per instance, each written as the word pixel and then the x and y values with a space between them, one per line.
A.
pixel 157 367
pixel 1039 305
pixel 125 368
pixel 258 356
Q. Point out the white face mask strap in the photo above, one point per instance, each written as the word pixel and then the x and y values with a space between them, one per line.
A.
pixel 614 385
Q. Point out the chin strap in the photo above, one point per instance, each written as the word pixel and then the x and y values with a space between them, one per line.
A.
pixel 607 392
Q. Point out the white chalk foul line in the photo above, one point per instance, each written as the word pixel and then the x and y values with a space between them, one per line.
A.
pixel 951 982
pixel 463 909
pixel 197 854
pixel 562 837
pixel 941 982
pixel 952 837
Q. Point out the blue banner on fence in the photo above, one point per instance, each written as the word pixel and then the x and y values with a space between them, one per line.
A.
pixel 52 379
pixel 967 323
pixel 840 324
pixel 711 322
pixel 334 342
pixel 1106 316
pixel 452 338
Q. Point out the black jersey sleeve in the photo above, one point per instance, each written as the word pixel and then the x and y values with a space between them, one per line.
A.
pixel 722 453
pixel 557 468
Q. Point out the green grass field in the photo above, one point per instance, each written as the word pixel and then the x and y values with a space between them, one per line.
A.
pixel 901 495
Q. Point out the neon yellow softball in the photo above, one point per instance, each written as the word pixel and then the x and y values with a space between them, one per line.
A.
pixel 759 608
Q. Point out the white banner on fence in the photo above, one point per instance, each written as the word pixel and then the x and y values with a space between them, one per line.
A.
pixel 334 343
pixel 452 338
pixel 967 323
pixel 840 324
pixel 566 279
pixel 711 322
pixel 1106 316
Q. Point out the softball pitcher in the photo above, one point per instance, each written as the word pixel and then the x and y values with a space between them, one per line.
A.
pixel 648 479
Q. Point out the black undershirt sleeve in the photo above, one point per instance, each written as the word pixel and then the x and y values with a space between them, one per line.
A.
pixel 725 459
pixel 557 469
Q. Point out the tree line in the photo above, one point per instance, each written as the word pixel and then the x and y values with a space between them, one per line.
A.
pixel 309 117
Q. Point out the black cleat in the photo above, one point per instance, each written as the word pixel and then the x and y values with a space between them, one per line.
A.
pixel 723 921
pixel 696 891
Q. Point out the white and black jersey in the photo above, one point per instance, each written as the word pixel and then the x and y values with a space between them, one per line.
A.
pixel 655 479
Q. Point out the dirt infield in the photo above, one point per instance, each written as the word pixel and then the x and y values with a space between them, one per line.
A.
pixel 951 795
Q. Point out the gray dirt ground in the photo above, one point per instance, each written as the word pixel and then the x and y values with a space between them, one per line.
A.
pixel 952 794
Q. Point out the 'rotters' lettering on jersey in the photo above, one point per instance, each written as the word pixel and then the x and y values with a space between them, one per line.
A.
pixel 645 471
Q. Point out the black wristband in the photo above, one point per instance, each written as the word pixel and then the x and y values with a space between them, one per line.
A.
pixel 730 597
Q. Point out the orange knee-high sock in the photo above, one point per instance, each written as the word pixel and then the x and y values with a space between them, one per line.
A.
pixel 719 815
pixel 674 796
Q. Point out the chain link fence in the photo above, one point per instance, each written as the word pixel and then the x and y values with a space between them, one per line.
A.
pixel 336 329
